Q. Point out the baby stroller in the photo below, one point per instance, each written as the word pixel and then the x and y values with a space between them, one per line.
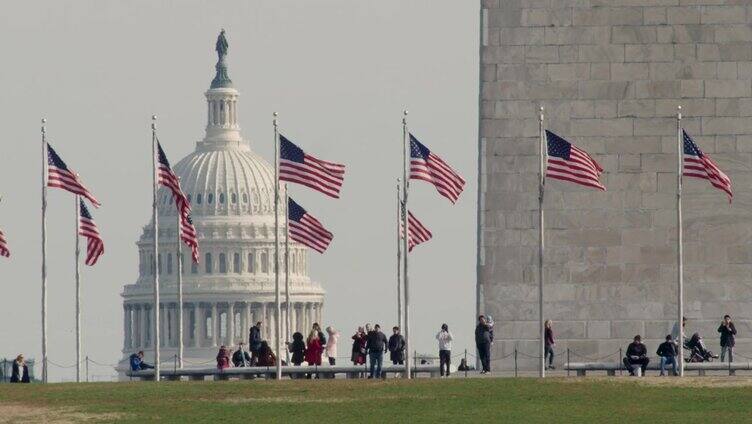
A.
pixel 697 350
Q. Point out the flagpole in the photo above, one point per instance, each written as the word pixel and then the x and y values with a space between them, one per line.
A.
pixel 180 288
pixel 405 186
pixel 541 246
pixel 399 258
pixel 76 199
pixel 156 246
pixel 287 275
pixel 44 250
pixel 679 239
pixel 276 246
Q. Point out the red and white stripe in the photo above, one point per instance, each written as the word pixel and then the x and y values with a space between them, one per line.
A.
pixel 310 232
pixel 434 170
pixel 417 232
pixel 94 244
pixel 703 167
pixel 581 169
pixel 167 178
pixel 323 176
pixel 4 251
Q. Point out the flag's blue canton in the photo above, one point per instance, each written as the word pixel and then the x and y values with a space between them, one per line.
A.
pixel 557 146
pixel 417 149
pixel 85 211
pixel 690 148
pixel 162 157
pixel 294 210
pixel 289 151
pixel 54 160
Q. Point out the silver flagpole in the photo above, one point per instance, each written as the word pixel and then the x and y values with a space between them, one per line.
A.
pixel 405 186
pixel 277 296
pixel 76 199
pixel 44 250
pixel 156 246
pixel 287 277
pixel 180 290
pixel 541 245
pixel 679 241
pixel 399 257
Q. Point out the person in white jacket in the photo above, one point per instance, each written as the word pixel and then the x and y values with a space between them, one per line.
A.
pixel 445 348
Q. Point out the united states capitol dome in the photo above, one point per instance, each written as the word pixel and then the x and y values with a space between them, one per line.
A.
pixel 231 189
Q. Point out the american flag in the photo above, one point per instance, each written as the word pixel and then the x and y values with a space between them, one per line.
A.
pixel 426 166
pixel 4 246
pixel 417 233
pixel 59 176
pixel 88 228
pixel 168 179
pixel 306 229
pixel 699 165
pixel 296 166
pixel 567 162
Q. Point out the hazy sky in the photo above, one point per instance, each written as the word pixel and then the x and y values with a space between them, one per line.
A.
pixel 338 71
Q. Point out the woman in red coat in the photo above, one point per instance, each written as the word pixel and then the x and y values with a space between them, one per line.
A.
pixel 313 349
pixel 223 358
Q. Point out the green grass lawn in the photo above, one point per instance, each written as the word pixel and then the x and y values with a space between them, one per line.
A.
pixel 476 400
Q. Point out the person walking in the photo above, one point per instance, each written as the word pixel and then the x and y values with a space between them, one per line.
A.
pixel 223 358
pixel 483 341
pixel 331 345
pixel 445 349
pixel 667 352
pixel 728 338
pixel 396 347
pixel 254 343
pixel 376 346
pixel 359 347
pixel 20 372
pixel 549 345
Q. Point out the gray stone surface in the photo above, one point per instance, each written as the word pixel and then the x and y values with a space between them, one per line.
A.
pixel 610 74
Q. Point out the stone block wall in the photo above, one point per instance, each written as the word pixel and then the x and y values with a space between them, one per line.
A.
pixel 610 74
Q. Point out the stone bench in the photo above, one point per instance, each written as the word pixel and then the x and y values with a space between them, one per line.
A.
pixel 701 367
pixel 270 372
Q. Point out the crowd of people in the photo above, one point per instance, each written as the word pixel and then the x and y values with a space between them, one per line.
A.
pixel 637 353
pixel 369 345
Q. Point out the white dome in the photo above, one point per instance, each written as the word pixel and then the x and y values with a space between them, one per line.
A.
pixel 231 190
pixel 225 180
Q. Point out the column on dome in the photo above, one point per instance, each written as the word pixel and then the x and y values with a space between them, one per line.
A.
pixel 248 321
pixel 148 325
pixel 126 326
pixel 139 342
pixel 162 327
pixel 309 316
pixel 263 318
pixel 231 324
pixel 272 311
pixel 214 325
pixel 196 325
pixel 169 320
pixel 294 317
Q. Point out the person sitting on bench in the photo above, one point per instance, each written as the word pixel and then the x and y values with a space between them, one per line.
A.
pixel 667 353
pixel 137 362
pixel 637 354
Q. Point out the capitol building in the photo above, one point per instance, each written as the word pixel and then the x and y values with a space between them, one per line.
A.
pixel 231 189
